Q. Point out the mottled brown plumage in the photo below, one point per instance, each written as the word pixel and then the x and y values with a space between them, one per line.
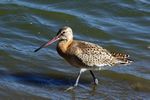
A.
pixel 85 55
pixel 122 57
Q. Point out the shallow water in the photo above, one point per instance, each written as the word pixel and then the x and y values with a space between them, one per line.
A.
pixel 120 26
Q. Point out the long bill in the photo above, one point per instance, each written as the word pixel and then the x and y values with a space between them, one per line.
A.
pixel 48 43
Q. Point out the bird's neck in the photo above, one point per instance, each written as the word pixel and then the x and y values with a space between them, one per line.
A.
pixel 63 45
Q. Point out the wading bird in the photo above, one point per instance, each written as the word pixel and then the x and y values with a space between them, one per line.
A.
pixel 84 55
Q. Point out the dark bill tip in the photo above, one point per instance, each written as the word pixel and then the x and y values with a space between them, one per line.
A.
pixel 47 44
pixel 39 48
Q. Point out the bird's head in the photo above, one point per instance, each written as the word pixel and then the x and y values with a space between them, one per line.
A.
pixel 64 34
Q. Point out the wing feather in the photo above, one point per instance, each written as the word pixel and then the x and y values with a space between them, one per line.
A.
pixel 92 55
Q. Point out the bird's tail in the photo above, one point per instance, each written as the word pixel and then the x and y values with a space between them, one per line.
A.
pixel 123 58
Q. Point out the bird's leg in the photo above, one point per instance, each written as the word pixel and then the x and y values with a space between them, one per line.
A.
pixel 77 80
pixel 94 78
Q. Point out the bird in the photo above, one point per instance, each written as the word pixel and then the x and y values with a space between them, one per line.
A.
pixel 84 55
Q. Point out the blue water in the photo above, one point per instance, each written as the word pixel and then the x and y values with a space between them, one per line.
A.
pixel 119 26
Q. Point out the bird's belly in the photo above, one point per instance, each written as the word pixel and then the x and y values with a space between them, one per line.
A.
pixel 75 62
pixel 79 64
pixel 71 59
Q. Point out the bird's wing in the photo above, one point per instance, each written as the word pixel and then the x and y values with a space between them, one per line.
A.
pixel 92 55
pixel 122 57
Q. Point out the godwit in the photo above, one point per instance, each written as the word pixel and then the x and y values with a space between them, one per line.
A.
pixel 84 55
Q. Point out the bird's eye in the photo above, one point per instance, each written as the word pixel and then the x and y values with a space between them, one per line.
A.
pixel 62 33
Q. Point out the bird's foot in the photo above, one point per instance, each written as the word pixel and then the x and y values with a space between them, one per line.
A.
pixel 70 88
pixel 96 81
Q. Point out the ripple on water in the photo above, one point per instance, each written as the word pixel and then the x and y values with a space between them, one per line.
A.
pixel 120 26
